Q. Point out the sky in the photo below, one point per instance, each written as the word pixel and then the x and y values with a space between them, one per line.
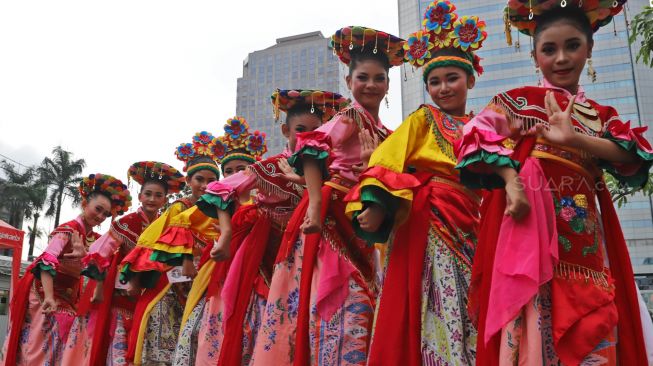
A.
pixel 124 81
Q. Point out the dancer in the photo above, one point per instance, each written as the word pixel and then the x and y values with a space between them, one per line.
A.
pixel 552 281
pixel 321 301
pixel 43 308
pixel 239 149
pixel 422 315
pixel 105 311
pixel 158 311
pixel 237 306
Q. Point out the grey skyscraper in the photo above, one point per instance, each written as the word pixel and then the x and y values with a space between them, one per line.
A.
pixel 304 61
pixel 620 83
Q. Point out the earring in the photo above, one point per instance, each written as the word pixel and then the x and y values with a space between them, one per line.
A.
pixel 387 103
pixel 590 70
pixel 539 77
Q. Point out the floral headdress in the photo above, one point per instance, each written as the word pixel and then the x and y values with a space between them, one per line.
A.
pixel 238 143
pixel 524 14
pixel 145 171
pixel 443 29
pixel 199 154
pixel 328 102
pixel 349 40
pixel 110 187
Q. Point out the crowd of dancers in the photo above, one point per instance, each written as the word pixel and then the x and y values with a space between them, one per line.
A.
pixel 453 240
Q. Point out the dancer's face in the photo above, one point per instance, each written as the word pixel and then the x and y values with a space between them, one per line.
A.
pixel 96 210
pixel 304 122
pixel 368 83
pixel 199 181
pixel 152 197
pixel 233 167
pixel 448 88
pixel 560 52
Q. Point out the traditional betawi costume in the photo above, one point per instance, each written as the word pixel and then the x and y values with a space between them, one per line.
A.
pixel 201 325
pixel 181 232
pixel 555 287
pixel 322 295
pixel 422 316
pixel 237 299
pixel 38 338
pixel 99 334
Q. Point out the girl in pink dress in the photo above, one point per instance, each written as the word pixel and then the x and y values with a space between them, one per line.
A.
pixel 44 308
pixel 321 301
pixel 106 311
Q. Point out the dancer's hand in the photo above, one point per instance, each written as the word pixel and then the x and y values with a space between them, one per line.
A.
pixel 288 173
pixel 49 305
pixel 560 130
pixel 77 243
pixel 517 205
pixel 312 222
pixel 188 268
pixel 371 218
pixel 368 144
pixel 222 247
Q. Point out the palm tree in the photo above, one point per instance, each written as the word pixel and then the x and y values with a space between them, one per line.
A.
pixel 61 175
pixel 33 232
pixel 21 193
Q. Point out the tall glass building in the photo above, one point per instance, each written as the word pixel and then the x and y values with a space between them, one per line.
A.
pixel 620 83
pixel 302 61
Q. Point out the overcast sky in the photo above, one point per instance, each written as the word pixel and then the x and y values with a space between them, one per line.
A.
pixel 123 81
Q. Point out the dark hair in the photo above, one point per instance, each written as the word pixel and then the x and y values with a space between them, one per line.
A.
pixel 302 109
pixel 570 15
pixel 358 57
pixel 161 183
pixel 198 160
pixel 94 194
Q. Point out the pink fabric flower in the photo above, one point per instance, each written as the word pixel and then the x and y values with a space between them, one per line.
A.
pixel 568 213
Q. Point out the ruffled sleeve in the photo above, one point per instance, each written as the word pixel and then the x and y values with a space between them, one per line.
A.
pixel 386 181
pixel 315 145
pixel 223 194
pixel 485 145
pixel 635 174
pixel 99 256
pixel 48 261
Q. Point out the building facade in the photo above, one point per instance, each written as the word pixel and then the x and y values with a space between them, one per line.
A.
pixel 302 61
pixel 620 83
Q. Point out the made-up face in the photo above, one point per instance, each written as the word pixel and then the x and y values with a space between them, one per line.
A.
pixel 368 83
pixel 448 88
pixel 199 181
pixel 304 122
pixel 560 52
pixel 152 197
pixel 234 166
pixel 96 209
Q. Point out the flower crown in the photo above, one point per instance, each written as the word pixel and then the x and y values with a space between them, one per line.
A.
pixel 144 171
pixel 202 145
pixel 238 143
pixel 328 102
pixel 109 186
pixel 524 14
pixel 442 29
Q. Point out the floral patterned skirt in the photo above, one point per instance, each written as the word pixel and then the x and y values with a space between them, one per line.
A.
pixel 528 338
pixel 341 340
pixel 162 331
pixel 448 336
pixel 187 343
pixel 42 336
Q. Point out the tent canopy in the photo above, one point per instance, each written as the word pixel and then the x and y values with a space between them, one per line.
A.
pixel 12 238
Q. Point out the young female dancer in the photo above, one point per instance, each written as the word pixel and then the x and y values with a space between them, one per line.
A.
pixel 321 300
pixel 422 315
pixel 552 280
pixel 43 309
